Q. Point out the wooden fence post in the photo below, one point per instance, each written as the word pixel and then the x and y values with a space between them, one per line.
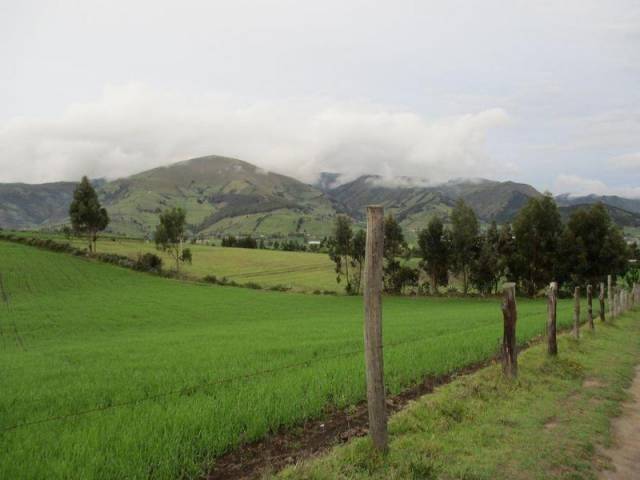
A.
pixel 590 307
pixel 509 347
pixel 610 296
pixel 601 298
pixel 576 313
pixel 373 327
pixel 552 344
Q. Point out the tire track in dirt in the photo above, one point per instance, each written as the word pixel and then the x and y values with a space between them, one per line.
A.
pixel 625 453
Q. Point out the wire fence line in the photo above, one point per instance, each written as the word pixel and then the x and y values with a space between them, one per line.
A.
pixel 190 389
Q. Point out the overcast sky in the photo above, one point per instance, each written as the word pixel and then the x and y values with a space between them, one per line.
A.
pixel 542 92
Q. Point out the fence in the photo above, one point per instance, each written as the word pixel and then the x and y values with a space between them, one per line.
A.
pixel 620 301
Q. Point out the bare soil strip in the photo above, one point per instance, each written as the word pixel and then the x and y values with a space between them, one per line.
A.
pixel 625 453
pixel 287 446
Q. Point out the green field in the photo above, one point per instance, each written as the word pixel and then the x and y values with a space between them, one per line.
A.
pixel 170 374
pixel 299 271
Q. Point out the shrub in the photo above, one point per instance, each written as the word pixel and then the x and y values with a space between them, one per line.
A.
pixel 279 288
pixel 149 262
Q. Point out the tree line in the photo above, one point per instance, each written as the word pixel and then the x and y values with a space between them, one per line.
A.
pixel 533 250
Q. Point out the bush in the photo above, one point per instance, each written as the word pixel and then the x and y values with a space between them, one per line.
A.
pixel 210 279
pixel 149 262
pixel 253 285
pixel 279 288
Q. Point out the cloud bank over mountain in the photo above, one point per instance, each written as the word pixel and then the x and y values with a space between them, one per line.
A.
pixel 133 127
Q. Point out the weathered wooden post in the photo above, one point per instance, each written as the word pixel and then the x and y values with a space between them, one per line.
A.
pixel 590 307
pixel 610 296
pixel 373 327
pixel 552 296
pixel 509 347
pixel 576 313
pixel 601 298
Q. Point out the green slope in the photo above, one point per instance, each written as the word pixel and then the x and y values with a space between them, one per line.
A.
pixel 29 206
pixel 222 196
pixel 148 362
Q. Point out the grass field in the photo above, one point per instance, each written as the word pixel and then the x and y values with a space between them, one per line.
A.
pixel 549 424
pixel 299 271
pixel 168 373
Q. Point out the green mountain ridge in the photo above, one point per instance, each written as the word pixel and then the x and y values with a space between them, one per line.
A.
pixel 229 196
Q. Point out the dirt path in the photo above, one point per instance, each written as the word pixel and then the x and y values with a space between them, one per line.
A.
pixel 625 455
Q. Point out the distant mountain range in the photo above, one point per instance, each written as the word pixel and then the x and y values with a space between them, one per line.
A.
pixel 229 196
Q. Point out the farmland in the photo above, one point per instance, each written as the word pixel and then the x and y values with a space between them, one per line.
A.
pixel 299 271
pixel 166 375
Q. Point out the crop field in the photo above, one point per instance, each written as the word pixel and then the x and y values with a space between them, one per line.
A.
pixel 299 271
pixel 109 373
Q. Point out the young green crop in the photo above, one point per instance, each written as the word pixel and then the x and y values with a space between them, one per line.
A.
pixel 79 336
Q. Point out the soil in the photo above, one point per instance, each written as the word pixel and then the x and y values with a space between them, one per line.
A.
pixel 625 452
pixel 291 445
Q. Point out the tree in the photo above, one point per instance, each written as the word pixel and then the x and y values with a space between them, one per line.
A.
pixel 87 215
pixel 507 254
pixel 591 247
pixel 169 235
pixel 339 246
pixel 464 240
pixel 359 245
pixel 394 247
pixel 485 268
pixel 493 238
pixel 435 247
pixel 537 229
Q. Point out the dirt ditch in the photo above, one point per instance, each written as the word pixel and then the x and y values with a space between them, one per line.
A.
pixel 288 446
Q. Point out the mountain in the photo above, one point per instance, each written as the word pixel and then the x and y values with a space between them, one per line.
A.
pixel 621 217
pixel 32 206
pixel 628 204
pixel 221 196
pixel 229 196
pixel 414 203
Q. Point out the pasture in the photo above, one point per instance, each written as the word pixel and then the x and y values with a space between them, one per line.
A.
pixel 299 271
pixel 109 373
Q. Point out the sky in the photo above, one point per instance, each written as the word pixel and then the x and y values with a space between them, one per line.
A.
pixel 542 92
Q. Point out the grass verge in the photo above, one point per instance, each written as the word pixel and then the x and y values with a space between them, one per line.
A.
pixel 547 424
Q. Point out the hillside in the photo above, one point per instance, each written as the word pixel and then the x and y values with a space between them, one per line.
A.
pixel 413 203
pixel 31 206
pixel 628 204
pixel 229 196
pixel 620 217
pixel 221 195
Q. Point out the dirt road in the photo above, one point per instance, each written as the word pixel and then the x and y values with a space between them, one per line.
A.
pixel 625 452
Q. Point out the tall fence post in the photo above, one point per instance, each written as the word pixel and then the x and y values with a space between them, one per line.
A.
pixel 373 327
pixel 509 347
pixel 601 298
pixel 576 313
pixel 590 307
pixel 610 296
pixel 552 296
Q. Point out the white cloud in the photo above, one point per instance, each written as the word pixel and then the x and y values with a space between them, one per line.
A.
pixel 630 161
pixel 577 186
pixel 134 127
